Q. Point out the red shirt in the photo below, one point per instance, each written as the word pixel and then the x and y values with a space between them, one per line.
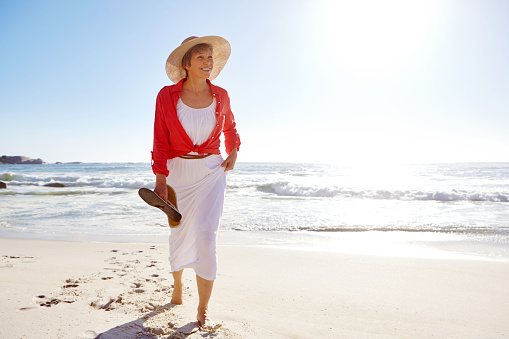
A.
pixel 170 138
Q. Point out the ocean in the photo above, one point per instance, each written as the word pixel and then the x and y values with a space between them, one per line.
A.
pixel 420 210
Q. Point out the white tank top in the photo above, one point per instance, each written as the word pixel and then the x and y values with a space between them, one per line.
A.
pixel 197 122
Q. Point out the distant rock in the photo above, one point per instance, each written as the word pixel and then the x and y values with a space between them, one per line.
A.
pixel 55 184
pixel 19 160
pixel 3 185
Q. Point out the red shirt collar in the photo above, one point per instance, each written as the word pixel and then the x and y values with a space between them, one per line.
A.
pixel 178 87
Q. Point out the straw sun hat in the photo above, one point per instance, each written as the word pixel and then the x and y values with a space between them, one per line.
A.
pixel 221 52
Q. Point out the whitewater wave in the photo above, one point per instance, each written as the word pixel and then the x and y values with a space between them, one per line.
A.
pixel 10 176
pixel 286 189
pixel 76 181
pixel 54 193
pixel 292 190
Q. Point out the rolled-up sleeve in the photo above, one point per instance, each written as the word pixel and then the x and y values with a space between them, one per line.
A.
pixel 231 137
pixel 161 145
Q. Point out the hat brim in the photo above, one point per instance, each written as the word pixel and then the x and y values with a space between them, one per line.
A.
pixel 221 52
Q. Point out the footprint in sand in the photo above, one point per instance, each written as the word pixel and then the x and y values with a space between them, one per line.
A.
pixel 105 303
pixel 54 302
pixel 88 335
pixel 70 286
pixel 26 308
pixel 12 259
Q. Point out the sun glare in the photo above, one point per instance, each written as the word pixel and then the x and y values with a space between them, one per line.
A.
pixel 374 39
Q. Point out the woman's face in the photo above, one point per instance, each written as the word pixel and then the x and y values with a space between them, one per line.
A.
pixel 201 64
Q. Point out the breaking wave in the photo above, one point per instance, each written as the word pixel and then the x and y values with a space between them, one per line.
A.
pixel 286 189
pixel 107 181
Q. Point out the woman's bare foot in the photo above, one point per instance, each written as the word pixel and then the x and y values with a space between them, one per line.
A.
pixel 205 323
pixel 176 296
pixel 202 317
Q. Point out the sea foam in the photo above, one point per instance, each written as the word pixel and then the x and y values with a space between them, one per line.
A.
pixel 295 190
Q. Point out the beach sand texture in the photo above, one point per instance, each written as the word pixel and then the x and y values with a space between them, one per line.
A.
pixel 55 289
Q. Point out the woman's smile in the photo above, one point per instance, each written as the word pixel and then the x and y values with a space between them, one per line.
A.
pixel 201 64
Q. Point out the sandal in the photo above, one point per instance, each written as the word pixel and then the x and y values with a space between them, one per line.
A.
pixel 169 207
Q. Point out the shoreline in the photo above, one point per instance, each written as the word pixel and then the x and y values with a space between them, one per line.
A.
pixel 426 245
pixel 261 291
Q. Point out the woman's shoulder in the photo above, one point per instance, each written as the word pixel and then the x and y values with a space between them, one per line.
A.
pixel 218 90
pixel 167 90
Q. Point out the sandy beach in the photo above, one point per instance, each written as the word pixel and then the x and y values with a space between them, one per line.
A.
pixel 53 289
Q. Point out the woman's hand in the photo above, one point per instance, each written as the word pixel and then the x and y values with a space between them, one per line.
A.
pixel 229 163
pixel 161 190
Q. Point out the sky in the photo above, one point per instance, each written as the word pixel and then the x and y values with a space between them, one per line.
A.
pixel 348 82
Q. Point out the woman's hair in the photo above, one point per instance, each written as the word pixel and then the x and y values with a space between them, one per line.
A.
pixel 186 59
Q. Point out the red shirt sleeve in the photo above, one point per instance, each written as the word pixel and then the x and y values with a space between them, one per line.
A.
pixel 161 146
pixel 231 137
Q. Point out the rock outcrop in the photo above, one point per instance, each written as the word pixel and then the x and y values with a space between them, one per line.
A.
pixel 55 184
pixel 3 185
pixel 19 160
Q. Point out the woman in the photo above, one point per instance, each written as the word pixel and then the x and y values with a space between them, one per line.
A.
pixel 189 119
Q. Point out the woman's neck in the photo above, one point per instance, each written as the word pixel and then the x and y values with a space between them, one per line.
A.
pixel 195 85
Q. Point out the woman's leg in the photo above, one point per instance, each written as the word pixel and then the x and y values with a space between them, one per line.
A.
pixel 176 297
pixel 204 293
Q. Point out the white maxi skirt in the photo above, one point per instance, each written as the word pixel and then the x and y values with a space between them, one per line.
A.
pixel 200 186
